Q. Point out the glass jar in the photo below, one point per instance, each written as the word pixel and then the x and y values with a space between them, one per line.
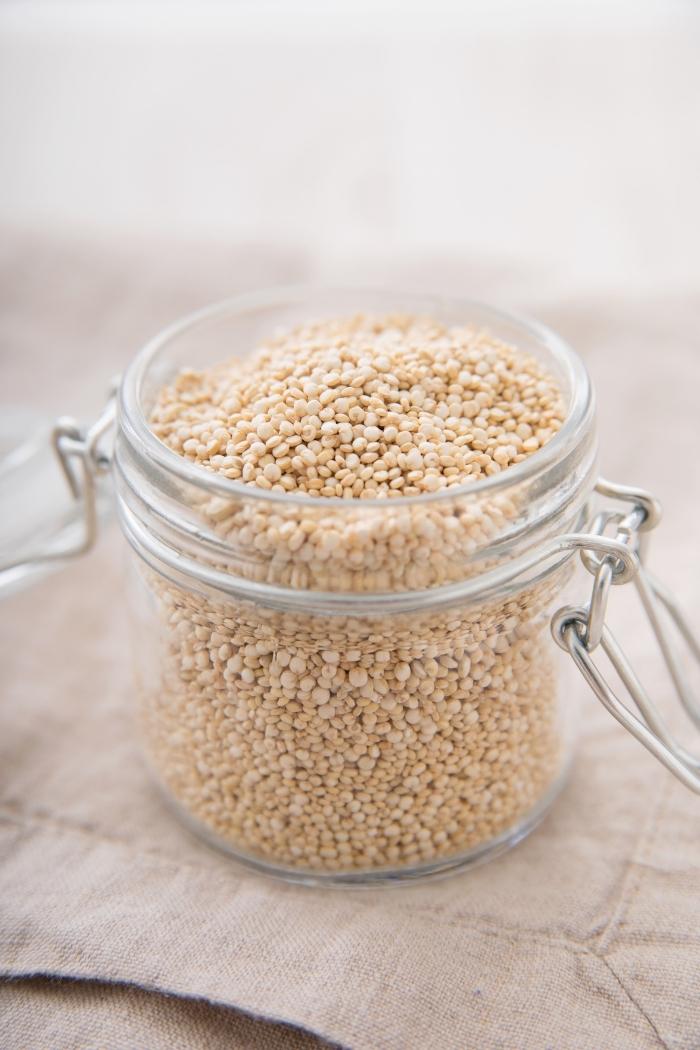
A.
pixel 361 690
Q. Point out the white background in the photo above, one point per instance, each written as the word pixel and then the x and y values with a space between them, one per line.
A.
pixel 560 135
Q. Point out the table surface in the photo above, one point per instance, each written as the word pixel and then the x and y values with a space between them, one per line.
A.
pixel 118 927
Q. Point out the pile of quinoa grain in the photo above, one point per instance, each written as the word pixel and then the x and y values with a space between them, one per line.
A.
pixel 347 742
pixel 382 408
pixel 363 408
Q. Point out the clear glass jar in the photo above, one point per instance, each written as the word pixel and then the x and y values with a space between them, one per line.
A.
pixel 350 690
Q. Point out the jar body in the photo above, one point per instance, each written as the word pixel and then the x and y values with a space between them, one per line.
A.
pixel 350 690
pixel 353 746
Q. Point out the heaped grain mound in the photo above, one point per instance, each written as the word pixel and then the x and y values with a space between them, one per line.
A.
pixel 363 407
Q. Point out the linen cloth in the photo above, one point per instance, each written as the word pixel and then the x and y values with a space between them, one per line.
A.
pixel 46 1012
pixel 119 930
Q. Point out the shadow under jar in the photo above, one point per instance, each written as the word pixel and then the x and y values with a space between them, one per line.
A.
pixel 350 690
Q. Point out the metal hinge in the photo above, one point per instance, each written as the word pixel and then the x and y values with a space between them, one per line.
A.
pixel 581 630
pixel 83 458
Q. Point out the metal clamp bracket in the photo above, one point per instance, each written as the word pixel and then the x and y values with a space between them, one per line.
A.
pixel 582 629
pixel 82 458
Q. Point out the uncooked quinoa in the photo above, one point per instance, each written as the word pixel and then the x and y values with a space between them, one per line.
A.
pixel 365 407
pixel 349 740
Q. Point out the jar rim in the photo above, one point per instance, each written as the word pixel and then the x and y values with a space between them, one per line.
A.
pixel 134 422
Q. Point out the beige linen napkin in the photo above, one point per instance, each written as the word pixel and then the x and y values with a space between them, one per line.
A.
pixel 584 936
pixel 73 1015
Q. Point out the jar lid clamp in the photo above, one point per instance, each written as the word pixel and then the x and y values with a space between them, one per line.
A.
pixel 581 630
pixel 84 457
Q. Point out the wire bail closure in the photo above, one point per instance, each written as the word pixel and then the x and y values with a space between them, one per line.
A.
pixel 83 458
pixel 580 630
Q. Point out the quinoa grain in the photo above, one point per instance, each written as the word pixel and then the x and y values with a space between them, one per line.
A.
pixel 348 742
pixel 446 393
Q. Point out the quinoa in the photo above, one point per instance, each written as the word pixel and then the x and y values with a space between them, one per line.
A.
pixel 363 408
pixel 350 742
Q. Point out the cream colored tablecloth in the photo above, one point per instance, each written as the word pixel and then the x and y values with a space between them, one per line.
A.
pixel 118 930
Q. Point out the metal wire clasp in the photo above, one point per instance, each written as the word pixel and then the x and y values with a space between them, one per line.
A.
pixel 580 630
pixel 83 458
